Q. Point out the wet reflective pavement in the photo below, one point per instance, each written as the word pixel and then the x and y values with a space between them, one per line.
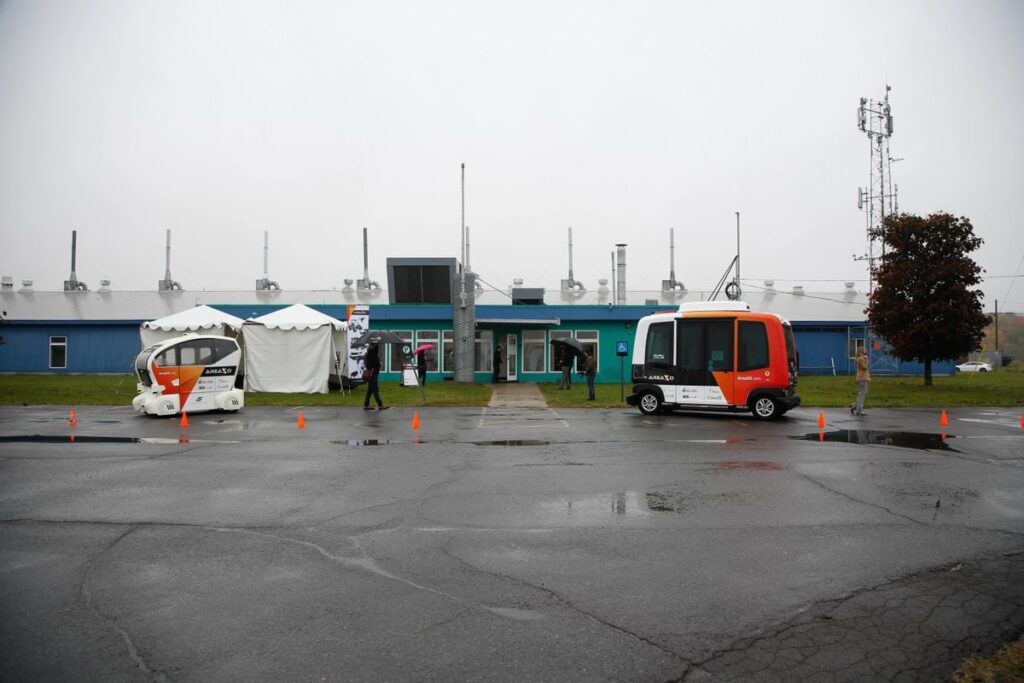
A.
pixel 501 544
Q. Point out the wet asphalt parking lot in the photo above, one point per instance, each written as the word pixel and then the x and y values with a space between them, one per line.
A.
pixel 507 544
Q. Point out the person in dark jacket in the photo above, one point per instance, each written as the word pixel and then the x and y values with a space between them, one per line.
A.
pixel 590 370
pixel 372 364
pixel 421 366
pixel 565 360
pixel 497 364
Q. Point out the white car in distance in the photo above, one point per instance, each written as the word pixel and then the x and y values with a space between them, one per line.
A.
pixel 974 366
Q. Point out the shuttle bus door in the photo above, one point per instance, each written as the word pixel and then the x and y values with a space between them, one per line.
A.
pixel 704 348
pixel 166 373
pixel 511 358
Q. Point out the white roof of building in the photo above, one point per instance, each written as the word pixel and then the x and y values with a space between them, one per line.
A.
pixel 847 306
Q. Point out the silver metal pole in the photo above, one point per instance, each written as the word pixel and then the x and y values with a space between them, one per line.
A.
pixel 614 297
pixel 463 239
pixel 672 256
pixel 737 248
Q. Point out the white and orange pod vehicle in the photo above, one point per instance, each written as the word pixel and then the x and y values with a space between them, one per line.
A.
pixel 715 356
pixel 191 373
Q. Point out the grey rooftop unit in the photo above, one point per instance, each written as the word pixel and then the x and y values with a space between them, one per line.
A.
pixel 528 296
pixel 421 280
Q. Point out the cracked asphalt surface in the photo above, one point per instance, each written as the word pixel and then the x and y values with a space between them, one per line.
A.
pixel 507 544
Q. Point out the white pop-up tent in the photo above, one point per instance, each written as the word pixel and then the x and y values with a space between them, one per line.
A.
pixel 294 350
pixel 202 320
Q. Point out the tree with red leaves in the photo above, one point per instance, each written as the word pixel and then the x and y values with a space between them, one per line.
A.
pixel 924 305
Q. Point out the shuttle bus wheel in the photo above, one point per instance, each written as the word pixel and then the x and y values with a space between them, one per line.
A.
pixel 649 403
pixel 765 408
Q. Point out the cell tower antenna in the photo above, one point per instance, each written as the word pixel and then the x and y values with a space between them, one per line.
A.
pixel 879 199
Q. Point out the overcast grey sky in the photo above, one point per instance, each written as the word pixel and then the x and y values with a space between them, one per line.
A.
pixel 219 120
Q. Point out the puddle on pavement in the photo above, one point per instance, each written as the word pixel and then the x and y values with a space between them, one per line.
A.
pixel 751 465
pixel 364 442
pixel 75 438
pixel 872 437
pixel 624 504
pixel 512 442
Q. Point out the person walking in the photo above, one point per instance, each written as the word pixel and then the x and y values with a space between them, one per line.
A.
pixel 590 370
pixel 497 364
pixel 565 361
pixel 863 382
pixel 421 366
pixel 371 373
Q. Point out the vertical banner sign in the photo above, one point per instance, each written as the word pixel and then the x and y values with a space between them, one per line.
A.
pixel 358 323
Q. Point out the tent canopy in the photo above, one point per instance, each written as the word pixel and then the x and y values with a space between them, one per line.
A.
pixel 297 317
pixel 294 350
pixel 201 320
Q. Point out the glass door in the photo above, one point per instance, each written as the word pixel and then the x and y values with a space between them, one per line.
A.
pixel 511 358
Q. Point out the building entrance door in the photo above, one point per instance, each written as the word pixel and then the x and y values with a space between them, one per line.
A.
pixel 511 358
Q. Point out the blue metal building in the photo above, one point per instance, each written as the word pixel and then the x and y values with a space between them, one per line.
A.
pixel 98 331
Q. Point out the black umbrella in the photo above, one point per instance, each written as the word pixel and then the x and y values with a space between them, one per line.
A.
pixel 378 337
pixel 571 345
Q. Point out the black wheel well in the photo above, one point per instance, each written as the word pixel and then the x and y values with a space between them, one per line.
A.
pixel 653 388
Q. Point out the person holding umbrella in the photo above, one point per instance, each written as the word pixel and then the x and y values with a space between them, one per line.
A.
pixel 566 369
pixel 370 374
pixel 421 367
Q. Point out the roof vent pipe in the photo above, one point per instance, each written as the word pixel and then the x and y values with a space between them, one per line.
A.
pixel 572 284
pixel 620 295
pixel 614 298
pixel 265 283
pixel 671 285
pixel 168 284
pixel 366 284
pixel 72 284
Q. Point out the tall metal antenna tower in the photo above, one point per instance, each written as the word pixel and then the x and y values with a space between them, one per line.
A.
pixel 878 200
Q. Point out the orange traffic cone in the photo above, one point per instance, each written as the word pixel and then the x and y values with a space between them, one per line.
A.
pixel 821 420
pixel 944 419
pixel 302 421
pixel 73 421
pixel 416 420
pixel 184 419
pixel 1022 420
pixel 821 437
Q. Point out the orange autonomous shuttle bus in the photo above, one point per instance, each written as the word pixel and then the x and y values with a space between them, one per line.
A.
pixel 715 355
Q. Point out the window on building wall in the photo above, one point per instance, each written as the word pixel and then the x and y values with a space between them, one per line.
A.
pixel 448 351
pixel 484 348
pixel 429 337
pixel 552 352
pixel 588 339
pixel 753 346
pixel 856 344
pixel 58 352
pixel 533 350
pixel 395 350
